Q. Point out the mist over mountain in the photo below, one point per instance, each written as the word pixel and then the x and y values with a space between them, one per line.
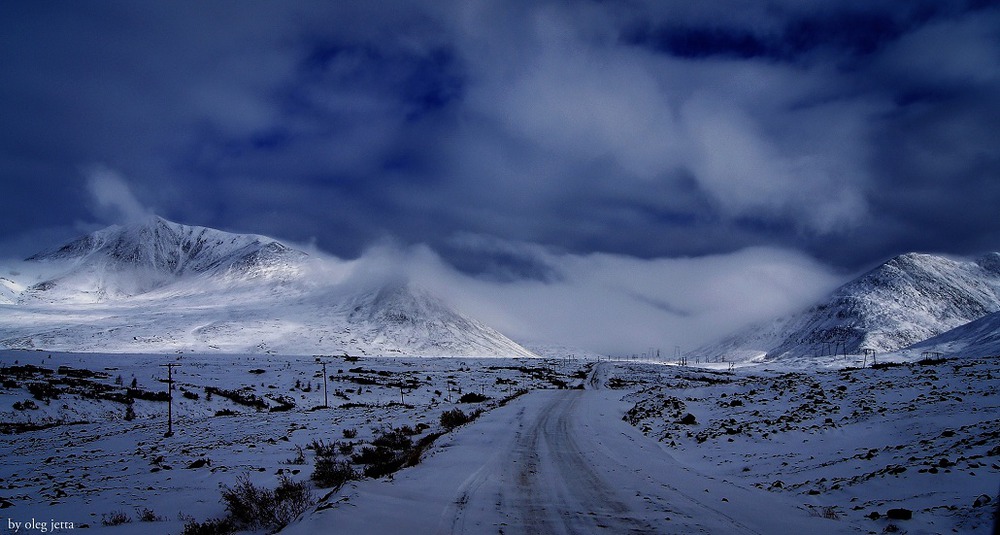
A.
pixel 155 285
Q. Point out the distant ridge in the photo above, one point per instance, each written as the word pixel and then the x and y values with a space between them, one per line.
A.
pixel 907 299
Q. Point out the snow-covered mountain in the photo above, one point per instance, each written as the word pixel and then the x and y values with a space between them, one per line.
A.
pixel 122 261
pixel 156 286
pixel 9 290
pixel 904 301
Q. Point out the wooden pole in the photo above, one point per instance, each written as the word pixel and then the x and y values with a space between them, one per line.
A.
pixel 326 399
pixel 170 398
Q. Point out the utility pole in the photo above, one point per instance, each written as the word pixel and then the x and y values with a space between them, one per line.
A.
pixel 326 399
pixel 170 398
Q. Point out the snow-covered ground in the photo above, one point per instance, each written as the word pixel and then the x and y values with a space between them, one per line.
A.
pixel 769 450
pixel 70 457
pixel 848 443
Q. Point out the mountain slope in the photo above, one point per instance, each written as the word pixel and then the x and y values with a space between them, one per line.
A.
pixel 905 300
pixel 158 286
pixel 9 290
pixel 979 338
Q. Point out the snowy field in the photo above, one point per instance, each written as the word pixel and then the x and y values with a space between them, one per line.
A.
pixel 849 444
pixel 644 448
pixel 72 458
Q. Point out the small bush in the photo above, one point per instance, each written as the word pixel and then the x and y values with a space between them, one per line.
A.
pixel 453 418
pixel 413 457
pixel 116 518
pixel 322 449
pixel 222 526
pixel 350 433
pixel 300 456
pixel 291 500
pixel 252 507
pixel 472 397
pixel 331 473
pixel 829 512
pixel 25 405
pixel 43 391
pixel 396 439
pixel 372 455
pixel 248 505
pixel 147 515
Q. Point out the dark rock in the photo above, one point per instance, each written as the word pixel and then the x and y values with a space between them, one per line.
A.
pixel 874 515
pixel 200 463
pixel 899 514
pixel 982 500
pixel 689 419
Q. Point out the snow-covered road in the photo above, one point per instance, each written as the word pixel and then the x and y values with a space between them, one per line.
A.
pixel 550 481
pixel 556 461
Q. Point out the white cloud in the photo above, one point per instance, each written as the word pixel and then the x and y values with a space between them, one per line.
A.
pixel 112 198
pixel 817 183
pixel 765 141
pixel 611 303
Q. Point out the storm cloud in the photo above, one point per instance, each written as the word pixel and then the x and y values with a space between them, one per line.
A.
pixel 510 138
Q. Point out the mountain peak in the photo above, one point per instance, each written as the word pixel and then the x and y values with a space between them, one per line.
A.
pixel 162 245
pixel 131 259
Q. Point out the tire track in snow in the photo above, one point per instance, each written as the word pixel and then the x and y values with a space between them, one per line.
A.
pixel 564 493
pixel 542 482
pixel 557 476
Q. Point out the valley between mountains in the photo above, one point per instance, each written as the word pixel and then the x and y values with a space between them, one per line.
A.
pixel 307 395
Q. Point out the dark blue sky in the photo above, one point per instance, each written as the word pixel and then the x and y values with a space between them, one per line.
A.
pixel 849 131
